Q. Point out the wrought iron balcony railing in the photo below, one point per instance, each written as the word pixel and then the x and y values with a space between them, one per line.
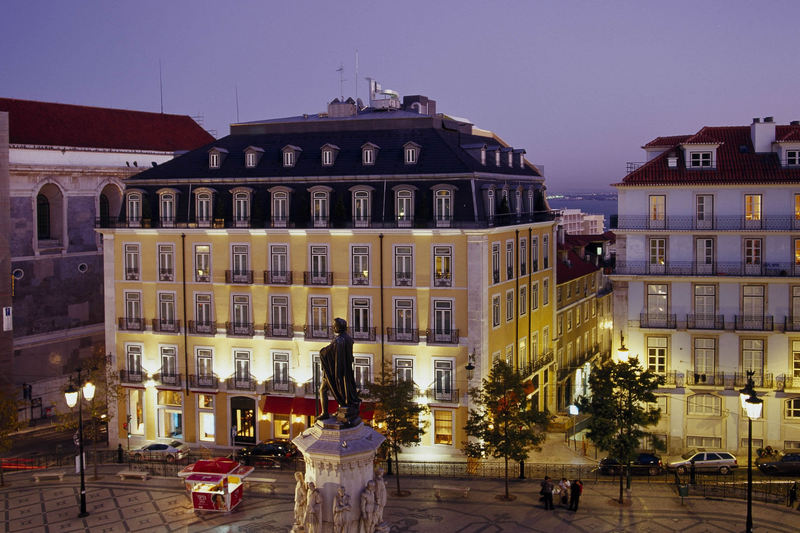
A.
pixel 279 331
pixel 443 394
pixel 166 326
pixel 277 277
pixel 443 280
pixel 715 223
pixel 760 379
pixel 402 334
pixel 705 378
pixel 239 276
pixel 695 268
pixel 131 274
pixel 170 379
pixel 705 321
pixel 403 279
pixel 197 327
pixel 130 324
pixel 132 376
pixel 442 336
pixel 359 278
pixel 317 278
pixel 754 323
pixel 166 274
pixel 239 329
pixel 791 323
pixel 653 320
pixel 241 383
pixel 312 331
pixel 203 381
pixel 279 385
pixel 362 334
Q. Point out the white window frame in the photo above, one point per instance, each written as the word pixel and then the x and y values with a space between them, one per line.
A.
pixel 403 259
pixel 442 265
pixel 202 275
pixel 360 264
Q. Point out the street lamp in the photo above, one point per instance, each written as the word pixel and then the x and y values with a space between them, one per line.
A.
pixel 72 396
pixel 752 405
pixel 470 368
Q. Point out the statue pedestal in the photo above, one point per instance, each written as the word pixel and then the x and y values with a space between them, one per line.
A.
pixel 336 455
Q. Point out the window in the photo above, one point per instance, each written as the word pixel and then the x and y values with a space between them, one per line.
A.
pixel 545 292
pixel 509 260
pixel 213 159
pixel 794 370
pixel 442 266
pixel 319 208
pixel 704 211
pixel 658 255
pixel 319 317
pixel 279 263
pixel 202 313
pixel 133 359
pixel 793 408
pixel 534 254
pixel 134 208
pixel 205 406
pixel 166 312
pixel 203 209
pixel 443 427
pixel 523 257
pixel 361 372
pixel 250 159
pixel 509 306
pixel 169 364
pixel 535 296
pixel 202 263
pixel 279 312
pixel 793 157
pixel 569 320
pixel 703 442
pixel 496 311
pixel 240 315
pixel 240 261
pixel 495 262
pixel 403 266
pixel 319 264
pixel 753 358
pixel 404 369
pixel 752 207
pixel 241 209
pixel 443 210
pixel 205 367
pixel 360 264
pixel 657 354
pixel 704 357
pixel 133 311
pixel 167 210
pixel 752 254
pixel 704 255
pixel 545 252
pixel 288 158
pixel 132 262
pixel 705 305
pixel 404 318
pixel 443 319
pixel 560 324
pixel 577 316
pixel 327 157
pixel 497 158
pixel 796 253
pixel 404 208
pixel 657 211
pixel 657 301
pixel 368 155
pixel 360 318
pixel 411 155
pixel 483 155
pixel 704 404
pixel 523 300
pixel 490 203
pixel 280 209
pixel 700 160
pixel 241 366
pixel 361 208
pixel 753 301
pixel 443 379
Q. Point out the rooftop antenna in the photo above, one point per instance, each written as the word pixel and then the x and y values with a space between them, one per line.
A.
pixel 355 81
pixel 236 91
pixel 160 86
pixel 340 70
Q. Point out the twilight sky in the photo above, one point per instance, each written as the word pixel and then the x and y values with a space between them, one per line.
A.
pixel 580 85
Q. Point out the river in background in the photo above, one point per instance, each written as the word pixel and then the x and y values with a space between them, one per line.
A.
pixel 605 205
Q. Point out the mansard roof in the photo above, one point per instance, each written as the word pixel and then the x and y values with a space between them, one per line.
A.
pixel 53 124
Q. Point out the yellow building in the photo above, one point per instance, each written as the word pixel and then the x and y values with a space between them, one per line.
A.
pixel 227 266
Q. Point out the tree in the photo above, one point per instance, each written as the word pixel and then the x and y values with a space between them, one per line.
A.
pixel 8 425
pixel 505 424
pixel 621 405
pixel 397 415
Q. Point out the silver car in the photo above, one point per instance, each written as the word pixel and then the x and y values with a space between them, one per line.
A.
pixel 705 461
pixel 159 451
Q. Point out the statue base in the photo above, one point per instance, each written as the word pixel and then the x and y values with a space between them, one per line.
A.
pixel 337 454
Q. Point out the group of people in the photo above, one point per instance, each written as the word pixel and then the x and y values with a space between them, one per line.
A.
pixel 568 492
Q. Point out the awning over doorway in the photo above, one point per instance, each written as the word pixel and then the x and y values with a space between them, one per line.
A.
pixel 281 405
pixel 284 405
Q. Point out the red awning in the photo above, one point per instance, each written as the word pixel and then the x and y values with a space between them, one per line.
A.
pixel 284 405
pixel 308 406
pixel 281 405
pixel 367 410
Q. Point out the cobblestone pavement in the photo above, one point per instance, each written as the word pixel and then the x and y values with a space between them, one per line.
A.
pixel 160 505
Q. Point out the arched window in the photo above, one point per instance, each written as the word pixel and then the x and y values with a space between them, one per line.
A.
pixel 443 207
pixel 203 209
pixel 405 208
pixel 361 208
pixel 42 217
pixel 319 209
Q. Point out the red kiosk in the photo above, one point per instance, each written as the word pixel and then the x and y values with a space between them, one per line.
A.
pixel 215 484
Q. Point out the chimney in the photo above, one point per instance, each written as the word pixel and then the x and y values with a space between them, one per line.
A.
pixel 762 134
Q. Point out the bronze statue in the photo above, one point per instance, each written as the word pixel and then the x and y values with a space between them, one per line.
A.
pixel 336 360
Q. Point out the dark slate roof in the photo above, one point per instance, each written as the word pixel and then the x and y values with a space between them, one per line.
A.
pixel 441 152
pixel 737 163
pixel 52 124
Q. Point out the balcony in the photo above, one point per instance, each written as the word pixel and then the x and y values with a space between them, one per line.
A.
pixel 442 336
pixel 705 379
pixel 310 388
pixel 239 329
pixel 496 276
pixel 443 221
pixel 362 221
pixel 166 222
pixel 166 274
pixel 790 383
pixel 537 364
pixel 442 280
pixel 443 395
pixel 705 322
pixel 240 221
pixel 714 223
pixel 670 379
pixel 168 379
pixel 312 331
pixel 402 279
pixel 404 221
pixel 693 268
pixel 279 221
pixel 760 379
pixel 277 277
pixel 359 278
pixel 402 335
pixel 273 385
pixel 130 324
pixel 241 383
pixel 161 325
pixel 131 274
pixel 132 377
pixel 202 222
pixel 203 381
pixel 279 331
pixel 362 334
pixel 317 278
pixel 510 273
pixel 239 276
pixel 754 323
pixel 202 328
pixel 319 221
pixel 791 323
pixel 657 320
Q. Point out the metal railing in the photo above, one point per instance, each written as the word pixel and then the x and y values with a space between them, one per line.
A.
pixel 760 379
pixel 705 321
pixel 442 336
pixel 710 379
pixel 715 223
pixel 312 331
pixel 279 331
pixel 443 395
pixel 131 274
pixel 754 323
pixel 168 379
pixel 402 335
pixel 239 276
pixel 271 385
pixel 132 376
pixel 363 334
pixel 359 278
pixel 166 326
pixel 239 329
pixel 317 278
pixel 131 324
pixel 791 323
pixel 699 268
pixel 537 364
pixel 657 320
pixel 277 277
pixel 403 279
pixel 202 328
pixel 241 383
pixel 166 274
pixel 203 381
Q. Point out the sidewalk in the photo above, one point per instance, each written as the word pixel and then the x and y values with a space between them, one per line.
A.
pixel 161 505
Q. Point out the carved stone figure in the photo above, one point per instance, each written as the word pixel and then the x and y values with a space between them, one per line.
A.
pixel 341 508
pixel 313 518
pixel 336 360
pixel 299 499
pixel 368 522
pixel 380 496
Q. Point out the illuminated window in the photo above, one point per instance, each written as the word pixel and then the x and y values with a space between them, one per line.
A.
pixel 443 427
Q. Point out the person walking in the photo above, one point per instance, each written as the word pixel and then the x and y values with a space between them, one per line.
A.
pixel 563 491
pixel 576 489
pixel 792 494
pixel 547 493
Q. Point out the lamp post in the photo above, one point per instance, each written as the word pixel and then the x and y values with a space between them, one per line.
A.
pixel 752 405
pixel 74 396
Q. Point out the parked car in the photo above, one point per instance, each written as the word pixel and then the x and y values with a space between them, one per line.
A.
pixel 784 463
pixel 645 463
pixel 705 461
pixel 159 451
pixel 269 453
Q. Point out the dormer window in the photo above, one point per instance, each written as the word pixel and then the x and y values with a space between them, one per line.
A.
pixel 215 157
pixel 530 201
pixel 483 155
pixel 700 160
pixel 497 158
pixel 279 206
pixel 329 152
pixel 793 158
pixel 518 201
pixel 250 159
pixel 290 155
pixel 521 160
pixel 252 155
pixel 369 153
pixel 510 159
pixel 443 207
pixel 411 153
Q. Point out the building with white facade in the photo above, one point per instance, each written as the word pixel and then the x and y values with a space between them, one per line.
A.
pixel 707 280
pixel 576 222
